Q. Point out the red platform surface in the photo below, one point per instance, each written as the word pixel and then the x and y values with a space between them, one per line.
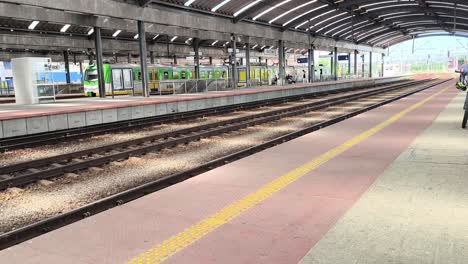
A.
pixel 281 229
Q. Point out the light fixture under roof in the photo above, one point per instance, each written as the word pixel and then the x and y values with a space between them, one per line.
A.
pixel 33 25
pixel 264 46
pixel 155 37
pixel 65 28
pixel 243 9
pixel 136 36
pixel 220 5
pixel 91 31
pixel 189 2
pixel 256 45
pixel 214 42
pixel 174 38
pixel 116 33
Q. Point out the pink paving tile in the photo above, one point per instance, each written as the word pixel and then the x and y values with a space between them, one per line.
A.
pixel 306 209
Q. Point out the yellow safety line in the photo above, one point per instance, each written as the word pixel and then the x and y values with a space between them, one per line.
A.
pixel 190 235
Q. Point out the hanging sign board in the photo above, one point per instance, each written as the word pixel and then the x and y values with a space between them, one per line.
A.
pixel 343 57
pixel 302 60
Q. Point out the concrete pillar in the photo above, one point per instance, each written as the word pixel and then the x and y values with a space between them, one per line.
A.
pixel 355 62
pixel 311 64
pixel 234 61
pixel 67 66
pixel 143 56
pixel 335 66
pixel 196 49
pixel 282 73
pixel 247 64
pixel 129 58
pixel 370 64
pixel 151 57
pixel 349 63
pixel 99 62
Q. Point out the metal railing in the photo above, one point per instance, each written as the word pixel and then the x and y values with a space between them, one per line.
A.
pixel 192 86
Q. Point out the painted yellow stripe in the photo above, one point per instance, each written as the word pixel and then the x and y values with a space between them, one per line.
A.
pixel 190 235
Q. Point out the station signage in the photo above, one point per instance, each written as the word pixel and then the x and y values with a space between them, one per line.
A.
pixel 343 57
pixel 302 60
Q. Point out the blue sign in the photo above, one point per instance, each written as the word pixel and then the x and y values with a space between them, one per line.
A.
pixel 343 57
pixel 302 60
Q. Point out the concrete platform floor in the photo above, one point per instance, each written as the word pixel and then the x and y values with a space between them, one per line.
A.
pixel 416 211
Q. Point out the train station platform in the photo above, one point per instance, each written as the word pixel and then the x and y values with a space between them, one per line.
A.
pixel 386 185
pixel 17 120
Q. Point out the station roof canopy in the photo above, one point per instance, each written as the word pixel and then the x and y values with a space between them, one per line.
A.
pixel 364 25
pixel 379 23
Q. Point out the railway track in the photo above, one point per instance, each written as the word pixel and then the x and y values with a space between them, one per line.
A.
pixel 38 228
pixel 20 174
pixel 86 132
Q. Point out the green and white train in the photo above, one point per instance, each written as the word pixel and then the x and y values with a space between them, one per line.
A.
pixel 123 79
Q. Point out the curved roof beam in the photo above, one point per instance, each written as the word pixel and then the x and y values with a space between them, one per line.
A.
pixel 252 8
pixel 411 29
pixel 365 15
pixel 260 15
pixel 292 10
pixel 306 17
pixel 308 12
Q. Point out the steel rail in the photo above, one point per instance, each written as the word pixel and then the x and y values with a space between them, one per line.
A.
pixel 16 175
pixel 55 137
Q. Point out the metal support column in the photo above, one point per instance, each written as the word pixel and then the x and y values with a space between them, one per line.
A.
pixel 99 62
pixel 335 66
pixel 247 64
pixel 211 60
pixel 383 64
pixel 355 62
pixel 116 58
pixel 196 59
pixel 349 63
pixel 234 61
pixel 363 66
pixel 152 57
pixel 81 73
pixel 465 116
pixel 331 66
pixel 143 56
pixel 311 64
pixel 129 58
pixel 370 64
pixel 282 74
pixel 67 66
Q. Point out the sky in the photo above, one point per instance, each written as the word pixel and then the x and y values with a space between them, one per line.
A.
pixel 434 49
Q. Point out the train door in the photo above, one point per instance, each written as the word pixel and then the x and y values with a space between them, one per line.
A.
pixel 122 80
